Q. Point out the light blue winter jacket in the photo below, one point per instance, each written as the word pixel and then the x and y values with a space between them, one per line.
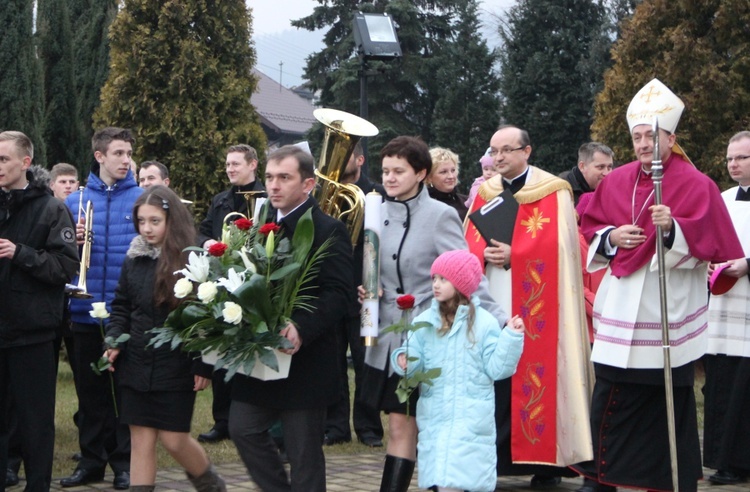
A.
pixel 456 415
pixel 113 230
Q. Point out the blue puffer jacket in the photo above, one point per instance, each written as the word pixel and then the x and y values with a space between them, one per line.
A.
pixel 456 415
pixel 113 230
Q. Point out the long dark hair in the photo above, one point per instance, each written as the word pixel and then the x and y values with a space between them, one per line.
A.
pixel 448 314
pixel 179 234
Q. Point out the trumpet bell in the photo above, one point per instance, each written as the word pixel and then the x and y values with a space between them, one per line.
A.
pixel 77 292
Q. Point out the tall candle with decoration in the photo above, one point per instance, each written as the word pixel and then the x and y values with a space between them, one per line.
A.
pixel 371 269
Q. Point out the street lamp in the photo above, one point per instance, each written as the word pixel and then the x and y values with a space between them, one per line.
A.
pixel 375 39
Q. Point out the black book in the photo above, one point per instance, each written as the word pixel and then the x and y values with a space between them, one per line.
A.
pixel 497 218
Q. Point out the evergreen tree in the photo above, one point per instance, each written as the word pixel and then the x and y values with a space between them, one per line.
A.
pixel 620 11
pixel 701 51
pixel 21 101
pixel 466 111
pixel 91 19
pixel 61 128
pixel 180 78
pixel 553 58
pixel 403 95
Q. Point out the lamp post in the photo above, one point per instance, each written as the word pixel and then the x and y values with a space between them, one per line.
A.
pixel 375 39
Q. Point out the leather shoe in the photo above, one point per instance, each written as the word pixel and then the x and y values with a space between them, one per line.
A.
pixel 593 486
pixel 11 478
pixel 372 441
pixel 121 481
pixel 76 457
pixel 82 476
pixel 214 435
pixel 544 481
pixel 332 441
pixel 726 477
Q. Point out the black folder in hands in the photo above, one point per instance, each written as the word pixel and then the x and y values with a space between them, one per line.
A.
pixel 497 218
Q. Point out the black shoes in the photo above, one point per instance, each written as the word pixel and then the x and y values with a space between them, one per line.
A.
pixel 121 481
pixel 11 478
pixel 214 435
pixel 371 441
pixel 544 481
pixel 331 441
pixel 592 486
pixel 726 477
pixel 81 477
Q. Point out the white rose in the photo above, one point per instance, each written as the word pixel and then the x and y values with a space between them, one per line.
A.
pixel 182 288
pixel 99 310
pixel 207 291
pixel 232 313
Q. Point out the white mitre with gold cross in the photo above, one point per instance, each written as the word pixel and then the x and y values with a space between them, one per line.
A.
pixel 655 100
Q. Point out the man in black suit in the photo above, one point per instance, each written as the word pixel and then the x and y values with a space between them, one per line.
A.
pixel 241 164
pixel 367 422
pixel 300 400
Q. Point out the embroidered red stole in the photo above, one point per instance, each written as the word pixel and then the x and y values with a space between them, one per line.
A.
pixel 534 276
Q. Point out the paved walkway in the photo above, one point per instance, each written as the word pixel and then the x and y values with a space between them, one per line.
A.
pixel 346 473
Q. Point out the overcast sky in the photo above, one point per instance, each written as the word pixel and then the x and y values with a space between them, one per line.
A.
pixel 276 41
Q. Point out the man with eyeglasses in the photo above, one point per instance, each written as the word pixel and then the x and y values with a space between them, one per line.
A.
pixel 629 410
pixel 541 412
pixel 727 390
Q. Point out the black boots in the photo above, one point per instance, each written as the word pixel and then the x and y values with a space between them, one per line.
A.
pixel 397 474
pixel 210 481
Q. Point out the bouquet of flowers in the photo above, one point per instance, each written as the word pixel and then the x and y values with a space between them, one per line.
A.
pixel 241 292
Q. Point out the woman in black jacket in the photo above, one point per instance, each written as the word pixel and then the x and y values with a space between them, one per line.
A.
pixel 158 385
pixel 443 180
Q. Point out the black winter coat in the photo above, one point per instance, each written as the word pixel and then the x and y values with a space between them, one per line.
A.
pixel 577 182
pixel 46 258
pixel 223 204
pixel 313 380
pixel 453 199
pixel 145 368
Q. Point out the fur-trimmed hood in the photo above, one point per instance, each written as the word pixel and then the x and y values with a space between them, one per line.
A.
pixel 40 175
pixel 140 247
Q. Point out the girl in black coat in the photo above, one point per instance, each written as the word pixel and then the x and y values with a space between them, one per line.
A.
pixel 158 385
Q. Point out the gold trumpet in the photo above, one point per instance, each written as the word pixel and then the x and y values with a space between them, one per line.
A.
pixel 79 291
pixel 345 202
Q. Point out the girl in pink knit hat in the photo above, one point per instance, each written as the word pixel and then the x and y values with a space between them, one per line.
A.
pixel 455 415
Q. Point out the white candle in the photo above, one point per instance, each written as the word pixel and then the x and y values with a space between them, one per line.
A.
pixel 371 269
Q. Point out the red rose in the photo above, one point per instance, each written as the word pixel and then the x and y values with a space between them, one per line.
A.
pixel 405 302
pixel 243 224
pixel 266 229
pixel 217 249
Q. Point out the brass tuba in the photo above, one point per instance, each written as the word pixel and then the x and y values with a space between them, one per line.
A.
pixel 345 202
pixel 79 291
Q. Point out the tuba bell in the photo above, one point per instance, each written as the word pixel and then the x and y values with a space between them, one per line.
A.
pixel 345 202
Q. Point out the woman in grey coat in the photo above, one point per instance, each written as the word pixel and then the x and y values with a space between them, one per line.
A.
pixel 416 229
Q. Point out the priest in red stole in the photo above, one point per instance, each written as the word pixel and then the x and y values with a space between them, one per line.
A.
pixel 628 415
pixel 542 411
